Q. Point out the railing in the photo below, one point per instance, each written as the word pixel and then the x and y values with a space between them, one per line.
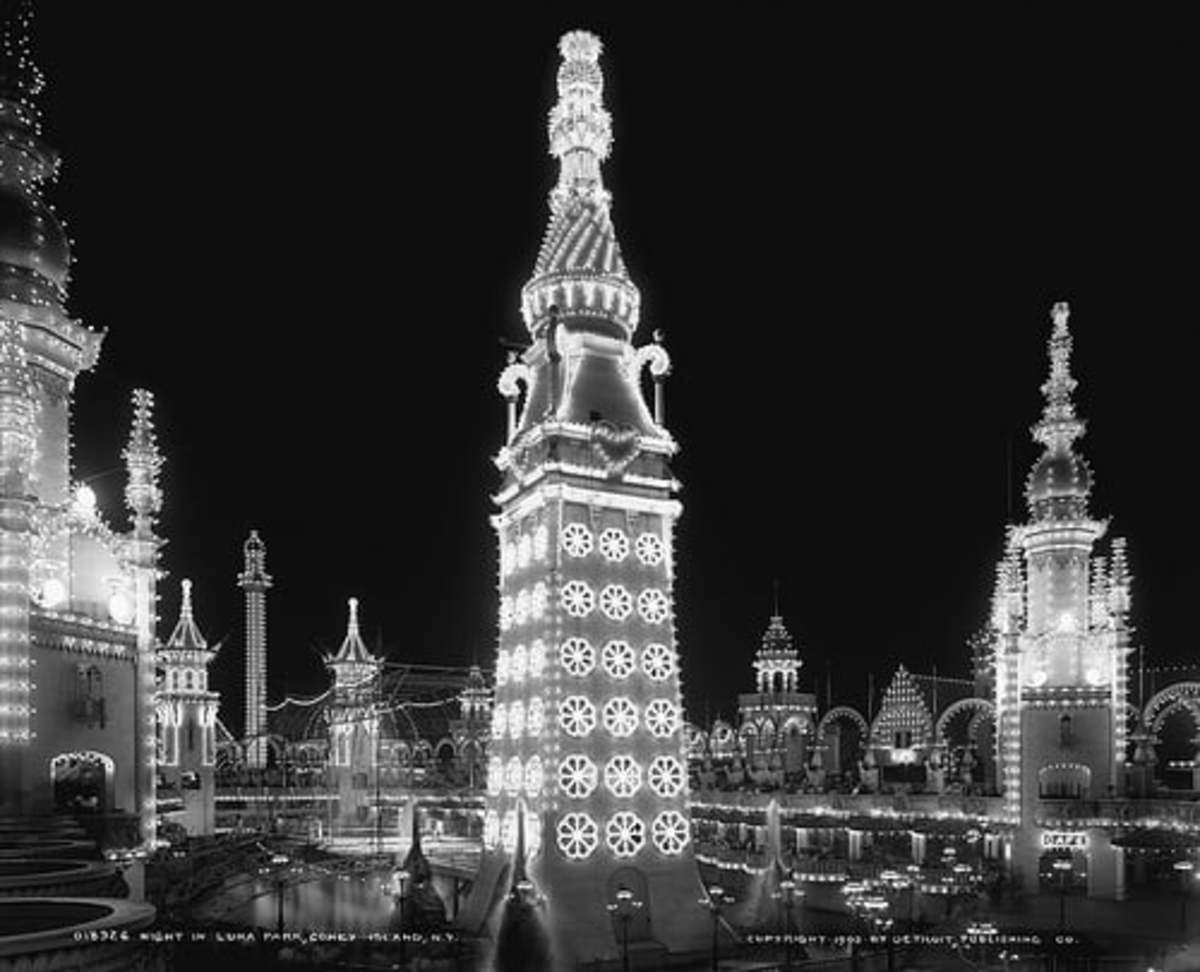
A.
pixel 1151 814
pixel 845 804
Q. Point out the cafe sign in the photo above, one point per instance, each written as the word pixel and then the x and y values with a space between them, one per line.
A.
pixel 1068 840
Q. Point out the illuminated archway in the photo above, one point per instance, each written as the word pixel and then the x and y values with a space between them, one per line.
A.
pixel 840 757
pixel 83 782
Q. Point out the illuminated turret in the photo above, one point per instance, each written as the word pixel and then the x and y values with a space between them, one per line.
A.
pixel 187 719
pixel 353 719
pixel 255 581
pixel 587 752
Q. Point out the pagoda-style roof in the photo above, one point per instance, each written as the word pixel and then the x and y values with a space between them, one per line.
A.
pixel 186 636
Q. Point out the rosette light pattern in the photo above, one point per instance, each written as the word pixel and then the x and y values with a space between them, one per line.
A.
pixel 620 716
pixel 576 540
pixel 577 776
pixel 534 777
pixel 577 656
pixel 577 835
pixel 617 658
pixel 537 600
pixel 658 662
pixel 578 599
pixel 616 602
pixel 535 717
pixel 670 832
pixel 506 613
pixel 649 549
pixel 625 833
pixel 514 775
pixel 502 667
pixel 662 717
pixel 518 663
pixel 537 658
pixel 516 719
pixel 576 716
pixel 614 545
pixel 665 776
pixel 521 608
pixel 622 776
pixel 652 605
pixel 499 721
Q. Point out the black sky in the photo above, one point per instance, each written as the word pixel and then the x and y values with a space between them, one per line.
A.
pixel 305 230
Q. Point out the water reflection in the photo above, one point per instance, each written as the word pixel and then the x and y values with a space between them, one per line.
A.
pixel 327 904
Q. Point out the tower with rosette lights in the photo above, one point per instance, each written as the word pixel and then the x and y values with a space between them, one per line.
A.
pixel 1062 619
pixel 587 744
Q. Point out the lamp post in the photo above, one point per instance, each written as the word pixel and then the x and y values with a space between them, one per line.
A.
pixel 1184 869
pixel 715 901
pixel 786 896
pixel 624 907
pixel 1063 867
pixel 280 863
pixel 399 883
pixel 914 877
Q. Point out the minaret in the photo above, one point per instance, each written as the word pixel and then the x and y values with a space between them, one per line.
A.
pixel 255 581
pixel 1062 656
pixel 587 724
pixel 353 719
pixel 143 499
pixel 187 719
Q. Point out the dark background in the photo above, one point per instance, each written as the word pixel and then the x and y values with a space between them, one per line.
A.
pixel 306 227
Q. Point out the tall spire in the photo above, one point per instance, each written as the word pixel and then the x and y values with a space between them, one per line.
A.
pixel 1059 485
pixel 142 461
pixel 579 270
pixel 1059 426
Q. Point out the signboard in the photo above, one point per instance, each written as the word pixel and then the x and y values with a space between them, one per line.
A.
pixel 1071 840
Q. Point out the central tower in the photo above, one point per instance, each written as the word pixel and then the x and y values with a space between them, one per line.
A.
pixel 587 740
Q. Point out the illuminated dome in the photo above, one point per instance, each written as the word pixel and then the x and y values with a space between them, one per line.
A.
pixel 1059 475
pixel 31 236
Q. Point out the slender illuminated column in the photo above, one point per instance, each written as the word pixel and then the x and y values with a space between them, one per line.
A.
pixel 18 430
pixel 255 581
pixel 143 499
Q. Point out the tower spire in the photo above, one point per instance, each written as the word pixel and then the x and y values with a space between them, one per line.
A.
pixel 143 462
pixel 1059 426
pixel 579 270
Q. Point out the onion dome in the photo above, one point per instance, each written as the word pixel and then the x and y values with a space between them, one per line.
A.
pixel 35 256
pixel 579 269
pixel 1059 485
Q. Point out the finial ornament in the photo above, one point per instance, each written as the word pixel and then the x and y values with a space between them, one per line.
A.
pixel 185 609
pixel 580 127
pixel 352 626
pixel 1059 426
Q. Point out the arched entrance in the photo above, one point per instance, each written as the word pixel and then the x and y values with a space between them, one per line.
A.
pixel 639 922
pixel 83 782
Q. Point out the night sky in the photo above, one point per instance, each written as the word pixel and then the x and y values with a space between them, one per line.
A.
pixel 307 232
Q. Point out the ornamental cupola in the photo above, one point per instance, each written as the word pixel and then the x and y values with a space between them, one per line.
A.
pixel 186 654
pixel 1060 483
pixel 353 664
pixel 35 256
pixel 777 663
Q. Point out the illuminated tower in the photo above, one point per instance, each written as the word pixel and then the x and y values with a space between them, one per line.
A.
pixel 77 598
pixel 353 721
pixel 777 719
pixel 187 719
pixel 586 726
pixel 1062 614
pixel 255 581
